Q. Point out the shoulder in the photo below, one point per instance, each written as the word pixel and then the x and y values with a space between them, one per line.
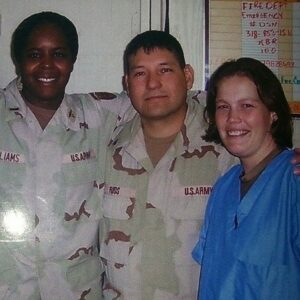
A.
pixel 2 100
pixel 283 169
pixel 282 162
pixel 198 96
pixel 196 103
pixel 109 103
pixel 98 98
pixel 82 102
pixel 229 176
pixel 196 99
pixel 2 95
pixel 88 102
pixel 11 91
pixel 10 95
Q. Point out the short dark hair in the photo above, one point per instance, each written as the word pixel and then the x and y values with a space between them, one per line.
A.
pixel 26 27
pixel 269 90
pixel 150 40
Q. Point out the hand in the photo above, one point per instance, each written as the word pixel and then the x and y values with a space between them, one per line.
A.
pixel 296 161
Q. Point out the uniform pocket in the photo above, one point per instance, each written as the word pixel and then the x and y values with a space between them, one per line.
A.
pixel 116 248
pixel 118 209
pixel 82 198
pixel 87 270
pixel 12 174
pixel 80 172
pixel 118 202
pixel 189 203
pixel 188 211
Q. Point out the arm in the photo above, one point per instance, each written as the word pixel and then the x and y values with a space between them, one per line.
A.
pixel 296 161
pixel 296 216
pixel 296 142
pixel 118 103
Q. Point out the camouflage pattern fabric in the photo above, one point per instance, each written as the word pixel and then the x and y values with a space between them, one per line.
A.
pixel 152 215
pixel 49 205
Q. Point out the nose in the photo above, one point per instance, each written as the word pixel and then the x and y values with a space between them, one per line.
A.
pixel 47 61
pixel 153 81
pixel 233 115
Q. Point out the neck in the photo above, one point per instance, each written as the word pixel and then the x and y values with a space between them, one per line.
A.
pixel 250 163
pixel 161 129
pixel 42 115
pixel 164 127
pixel 51 104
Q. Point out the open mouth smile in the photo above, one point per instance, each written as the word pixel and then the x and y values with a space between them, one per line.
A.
pixel 46 80
pixel 237 132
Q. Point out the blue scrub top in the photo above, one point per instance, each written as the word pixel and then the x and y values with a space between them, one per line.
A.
pixel 250 249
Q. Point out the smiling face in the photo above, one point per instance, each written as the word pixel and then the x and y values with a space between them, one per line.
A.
pixel 157 85
pixel 243 121
pixel 45 67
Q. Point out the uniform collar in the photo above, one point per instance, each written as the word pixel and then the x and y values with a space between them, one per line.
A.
pixel 193 125
pixel 69 114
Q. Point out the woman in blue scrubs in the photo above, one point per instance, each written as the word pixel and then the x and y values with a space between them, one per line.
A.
pixel 249 246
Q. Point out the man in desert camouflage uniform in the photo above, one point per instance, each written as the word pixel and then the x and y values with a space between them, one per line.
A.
pixel 159 176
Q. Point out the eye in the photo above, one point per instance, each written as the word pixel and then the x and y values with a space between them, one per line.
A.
pixel 166 70
pixel 222 106
pixel 33 55
pixel 138 74
pixel 248 105
pixel 59 54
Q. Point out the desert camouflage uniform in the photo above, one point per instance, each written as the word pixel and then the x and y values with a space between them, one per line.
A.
pixel 152 215
pixel 49 207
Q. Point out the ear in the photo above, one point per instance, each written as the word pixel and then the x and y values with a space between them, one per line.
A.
pixel 73 63
pixel 189 76
pixel 274 117
pixel 125 83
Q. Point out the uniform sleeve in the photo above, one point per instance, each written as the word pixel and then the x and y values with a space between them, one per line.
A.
pixel 116 103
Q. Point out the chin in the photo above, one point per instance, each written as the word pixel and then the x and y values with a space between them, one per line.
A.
pixel 234 151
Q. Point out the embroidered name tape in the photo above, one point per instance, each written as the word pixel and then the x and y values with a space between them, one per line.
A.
pixel 12 157
pixel 198 190
pixel 119 191
pixel 79 156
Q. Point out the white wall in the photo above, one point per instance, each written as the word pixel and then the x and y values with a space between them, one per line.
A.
pixel 186 20
pixel 104 28
pixel 187 24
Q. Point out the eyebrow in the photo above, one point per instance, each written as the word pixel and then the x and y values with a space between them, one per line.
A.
pixel 37 48
pixel 160 64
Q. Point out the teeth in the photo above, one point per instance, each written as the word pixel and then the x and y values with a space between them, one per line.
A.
pixel 46 79
pixel 236 132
